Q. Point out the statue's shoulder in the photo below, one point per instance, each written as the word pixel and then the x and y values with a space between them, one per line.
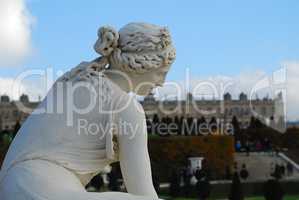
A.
pixel 133 106
pixel 84 72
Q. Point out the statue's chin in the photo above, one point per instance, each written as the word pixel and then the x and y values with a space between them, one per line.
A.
pixel 144 91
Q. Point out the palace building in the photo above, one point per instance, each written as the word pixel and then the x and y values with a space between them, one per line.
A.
pixel 270 111
pixel 11 112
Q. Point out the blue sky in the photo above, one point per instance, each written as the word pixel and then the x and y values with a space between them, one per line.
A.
pixel 213 38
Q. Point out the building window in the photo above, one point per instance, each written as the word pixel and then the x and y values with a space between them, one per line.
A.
pixel 247 111
pixel 15 113
pixel 264 111
pixel 241 112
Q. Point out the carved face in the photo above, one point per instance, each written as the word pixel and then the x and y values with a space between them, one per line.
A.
pixel 142 52
pixel 144 83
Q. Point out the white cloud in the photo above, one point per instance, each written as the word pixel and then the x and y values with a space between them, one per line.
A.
pixel 292 90
pixel 33 82
pixel 6 88
pixel 215 86
pixel 246 81
pixel 14 89
pixel 15 32
pixel 259 83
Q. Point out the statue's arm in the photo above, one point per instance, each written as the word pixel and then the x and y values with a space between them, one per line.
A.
pixel 133 152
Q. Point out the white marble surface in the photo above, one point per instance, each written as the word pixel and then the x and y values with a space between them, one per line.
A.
pixel 57 152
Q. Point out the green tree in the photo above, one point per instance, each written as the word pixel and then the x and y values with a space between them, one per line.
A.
pixel 16 128
pixel 236 127
pixel 213 124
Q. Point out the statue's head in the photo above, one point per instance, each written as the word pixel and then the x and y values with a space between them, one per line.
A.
pixel 143 52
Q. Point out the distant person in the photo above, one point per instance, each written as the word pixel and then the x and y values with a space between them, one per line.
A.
pixel 267 144
pixel 238 146
pixel 277 172
pixel 203 187
pixel 244 172
pixel 247 147
pixel 174 189
pixel 187 175
pixel 236 191
pixel 282 170
pixel 273 190
pixel 258 146
pixel 290 169
pixel 197 173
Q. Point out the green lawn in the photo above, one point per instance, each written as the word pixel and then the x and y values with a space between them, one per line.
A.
pixel 252 198
pixel 285 198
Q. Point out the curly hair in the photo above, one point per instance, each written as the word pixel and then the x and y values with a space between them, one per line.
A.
pixel 137 47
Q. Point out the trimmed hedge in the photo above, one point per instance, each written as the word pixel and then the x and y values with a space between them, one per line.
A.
pixel 3 150
pixel 250 189
pixel 169 153
pixel 5 141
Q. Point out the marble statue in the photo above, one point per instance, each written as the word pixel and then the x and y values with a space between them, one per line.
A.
pixel 89 120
